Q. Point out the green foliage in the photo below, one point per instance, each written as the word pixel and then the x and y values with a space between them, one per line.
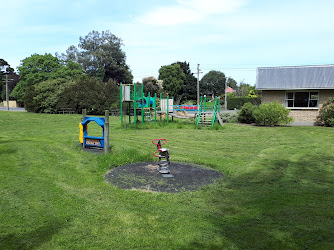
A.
pixel 101 56
pixel 237 102
pixel 173 79
pixel 39 68
pixel 189 90
pixel 246 113
pixel 229 117
pixel 213 82
pixel 151 86
pixel 326 114
pixel 271 114
pixel 5 69
pixel 91 94
pixel 252 93
pixel 48 95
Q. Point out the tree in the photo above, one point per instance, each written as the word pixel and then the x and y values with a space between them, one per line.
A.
pixel 151 86
pixel 245 89
pixel 101 56
pixel 214 83
pixel 91 94
pixel 39 68
pixel 46 95
pixel 173 80
pixel 13 81
pixel 189 90
pixel 6 69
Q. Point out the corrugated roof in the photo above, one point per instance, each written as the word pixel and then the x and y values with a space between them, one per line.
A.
pixel 295 77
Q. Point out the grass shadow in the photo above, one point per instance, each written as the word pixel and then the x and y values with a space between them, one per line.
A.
pixel 285 205
pixel 32 239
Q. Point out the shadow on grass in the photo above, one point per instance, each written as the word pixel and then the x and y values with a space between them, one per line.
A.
pixel 33 239
pixel 286 204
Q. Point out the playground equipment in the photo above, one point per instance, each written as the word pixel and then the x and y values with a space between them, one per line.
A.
pixel 140 105
pixel 99 142
pixel 207 113
pixel 163 154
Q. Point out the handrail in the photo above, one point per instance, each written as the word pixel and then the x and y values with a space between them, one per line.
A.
pixel 214 113
pixel 199 114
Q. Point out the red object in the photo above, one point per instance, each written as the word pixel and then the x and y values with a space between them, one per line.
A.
pixel 158 145
pixel 229 90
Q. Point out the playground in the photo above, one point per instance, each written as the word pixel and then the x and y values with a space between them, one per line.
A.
pixel 274 189
pixel 149 108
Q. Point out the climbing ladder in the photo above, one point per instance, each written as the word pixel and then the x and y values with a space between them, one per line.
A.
pixel 147 114
pixel 208 118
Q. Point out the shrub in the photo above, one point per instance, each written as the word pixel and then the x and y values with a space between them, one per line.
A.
pixel 229 117
pixel 246 113
pixel 238 102
pixel 48 94
pixel 91 94
pixel 326 114
pixel 271 114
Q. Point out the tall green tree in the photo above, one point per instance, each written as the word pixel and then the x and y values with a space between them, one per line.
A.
pixel 101 56
pixel 91 94
pixel 39 68
pixel 214 83
pixel 151 86
pixel 6 69
pixel 189 90
pixel 243 89
pixel 173 80
pixel 44 97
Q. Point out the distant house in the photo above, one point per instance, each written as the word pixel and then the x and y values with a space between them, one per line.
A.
pixel 229 90
pixel 301 89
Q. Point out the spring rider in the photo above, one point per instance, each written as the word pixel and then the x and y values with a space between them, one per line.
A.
pixel 163 154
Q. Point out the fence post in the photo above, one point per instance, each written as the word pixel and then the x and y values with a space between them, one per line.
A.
pixel 121 97
pixel 84 111
pixel 106 132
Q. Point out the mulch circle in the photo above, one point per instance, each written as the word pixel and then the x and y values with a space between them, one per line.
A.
pixel 144 176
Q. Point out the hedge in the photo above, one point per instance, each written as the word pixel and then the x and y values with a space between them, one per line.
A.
pixel 238 102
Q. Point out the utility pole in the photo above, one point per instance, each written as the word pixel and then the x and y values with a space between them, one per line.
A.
pixel 198 72
pixel 225 101
pixel 7 96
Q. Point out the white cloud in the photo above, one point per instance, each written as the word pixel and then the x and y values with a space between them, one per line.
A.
pixel 171 16
pixel 189 11
pixel 213 6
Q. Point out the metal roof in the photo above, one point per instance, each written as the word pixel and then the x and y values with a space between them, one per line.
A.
pixel 295 77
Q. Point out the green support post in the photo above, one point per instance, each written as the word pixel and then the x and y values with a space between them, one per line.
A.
pixel 121 94
pixel 142 104
pixel 167 108
pixel 129 112
pixel 160 105
pixel 134 105
pixel 155 107
pixel 205 103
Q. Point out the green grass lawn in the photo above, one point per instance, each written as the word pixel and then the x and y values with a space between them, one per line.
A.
pixel 277 191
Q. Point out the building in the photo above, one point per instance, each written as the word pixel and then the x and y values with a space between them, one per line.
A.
pixel 229 90
pixel 302 89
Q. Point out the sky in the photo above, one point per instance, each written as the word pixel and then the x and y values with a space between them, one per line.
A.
pixel 231 36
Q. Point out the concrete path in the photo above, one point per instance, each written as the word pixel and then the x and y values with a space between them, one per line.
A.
pixel 13 109
pixel 302 124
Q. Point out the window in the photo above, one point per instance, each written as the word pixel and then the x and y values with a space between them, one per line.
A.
pixel 301 99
